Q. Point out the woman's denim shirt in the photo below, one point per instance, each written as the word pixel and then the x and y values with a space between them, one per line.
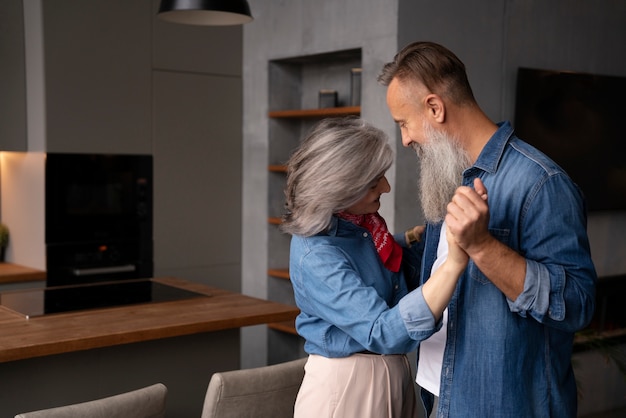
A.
pixel 512 358
pixel 349 300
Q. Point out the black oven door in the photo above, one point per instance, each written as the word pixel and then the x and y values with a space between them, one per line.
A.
pixel 98 217
pixel 95 197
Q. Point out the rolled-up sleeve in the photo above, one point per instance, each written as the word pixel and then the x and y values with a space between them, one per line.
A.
pixel 418 319
pixel 536 293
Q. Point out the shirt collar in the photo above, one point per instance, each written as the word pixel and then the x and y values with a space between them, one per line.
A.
pixel 332 228
pixel 491 154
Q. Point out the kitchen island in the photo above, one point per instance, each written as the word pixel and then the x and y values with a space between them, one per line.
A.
pixel 14 274
pixel 70 357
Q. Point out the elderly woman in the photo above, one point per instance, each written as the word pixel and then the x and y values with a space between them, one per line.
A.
pixel 359 316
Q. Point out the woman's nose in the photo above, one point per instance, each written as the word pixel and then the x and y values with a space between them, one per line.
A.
pixel 383 185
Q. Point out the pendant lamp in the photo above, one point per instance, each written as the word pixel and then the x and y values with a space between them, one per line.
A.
pixel 205 12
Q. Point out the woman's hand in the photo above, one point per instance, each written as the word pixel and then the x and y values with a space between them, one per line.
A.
pixel 439 288
pixel 457 257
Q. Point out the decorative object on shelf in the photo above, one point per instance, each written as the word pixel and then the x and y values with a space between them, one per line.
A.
pixel 328 98
pixel 205 12
pixel 4 240
pixel 355 86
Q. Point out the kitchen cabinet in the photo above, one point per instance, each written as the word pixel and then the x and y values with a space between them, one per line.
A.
pixel 77 76
pixel 12 78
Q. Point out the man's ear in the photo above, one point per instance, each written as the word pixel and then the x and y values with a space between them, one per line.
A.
pixel 436 108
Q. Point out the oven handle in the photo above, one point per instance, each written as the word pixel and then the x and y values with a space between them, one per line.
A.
pixel 103 270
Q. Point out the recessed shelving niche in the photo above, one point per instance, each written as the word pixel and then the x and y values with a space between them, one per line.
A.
pixel 294 85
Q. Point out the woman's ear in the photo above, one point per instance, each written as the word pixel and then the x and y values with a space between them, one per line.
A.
pixel 436 108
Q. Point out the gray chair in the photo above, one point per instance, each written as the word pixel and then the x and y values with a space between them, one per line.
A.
pixel 148 402
pixel 260 392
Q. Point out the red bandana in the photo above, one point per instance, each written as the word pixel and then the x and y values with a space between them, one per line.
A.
pixel 388 249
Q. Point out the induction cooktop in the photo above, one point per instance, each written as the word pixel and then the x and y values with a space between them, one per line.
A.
pixel 43 301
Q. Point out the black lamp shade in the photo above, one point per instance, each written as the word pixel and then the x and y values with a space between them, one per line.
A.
pixel 205 12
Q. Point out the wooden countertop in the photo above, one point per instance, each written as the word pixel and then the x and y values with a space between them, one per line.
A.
pixel 14 273
pixel 24 338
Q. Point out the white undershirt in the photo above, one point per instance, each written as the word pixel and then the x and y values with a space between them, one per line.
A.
pixel 431 350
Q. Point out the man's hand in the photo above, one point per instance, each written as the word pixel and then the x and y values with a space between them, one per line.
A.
pixel 468 221
pixel 468 217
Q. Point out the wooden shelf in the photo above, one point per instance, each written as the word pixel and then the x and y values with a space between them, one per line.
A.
pixel 277 168
pixel 274 220
pixel 279 273
pixel 286 326
pixel 316 113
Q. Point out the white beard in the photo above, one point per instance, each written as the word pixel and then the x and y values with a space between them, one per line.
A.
pixel 442 162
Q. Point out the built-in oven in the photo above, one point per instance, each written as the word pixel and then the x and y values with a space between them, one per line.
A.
pixel 98 217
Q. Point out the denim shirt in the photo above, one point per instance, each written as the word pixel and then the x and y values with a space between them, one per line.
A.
pixel 349 301
pixel 512 358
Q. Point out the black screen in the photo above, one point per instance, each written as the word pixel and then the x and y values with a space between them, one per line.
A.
pixel 575 118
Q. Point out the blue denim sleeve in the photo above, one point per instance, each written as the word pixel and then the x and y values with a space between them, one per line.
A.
pixel 417 317
pixel 536 291
pixel 559 288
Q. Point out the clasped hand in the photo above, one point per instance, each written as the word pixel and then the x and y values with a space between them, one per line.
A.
pixel 468 217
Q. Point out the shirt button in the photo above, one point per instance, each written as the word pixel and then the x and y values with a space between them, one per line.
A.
pixel 396 287
pixel 364 234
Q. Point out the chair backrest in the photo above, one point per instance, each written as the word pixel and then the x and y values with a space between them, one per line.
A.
pixel 148 402
pixel 260 392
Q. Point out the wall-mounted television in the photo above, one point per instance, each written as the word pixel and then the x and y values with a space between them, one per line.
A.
pixel 576 119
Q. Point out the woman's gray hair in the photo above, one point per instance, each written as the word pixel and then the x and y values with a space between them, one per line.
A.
pixel 335 165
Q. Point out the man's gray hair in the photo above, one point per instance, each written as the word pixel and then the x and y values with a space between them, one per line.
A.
pixel 434 66
pixel 334 167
